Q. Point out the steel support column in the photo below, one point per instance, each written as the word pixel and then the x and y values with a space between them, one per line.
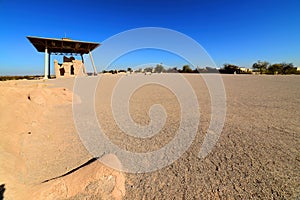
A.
pixel 92 60
pixel 46 64
pixel 49 62
pixel 83 67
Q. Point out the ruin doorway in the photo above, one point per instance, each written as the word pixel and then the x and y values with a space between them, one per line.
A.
pixel 72 70
pixel 62 71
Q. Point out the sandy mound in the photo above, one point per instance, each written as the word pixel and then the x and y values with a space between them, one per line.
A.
pixel 39 142
pixel 93 181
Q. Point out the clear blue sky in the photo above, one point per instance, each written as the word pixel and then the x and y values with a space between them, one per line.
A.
pixel 233 31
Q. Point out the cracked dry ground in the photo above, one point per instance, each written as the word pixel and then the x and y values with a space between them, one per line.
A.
pixel 257 155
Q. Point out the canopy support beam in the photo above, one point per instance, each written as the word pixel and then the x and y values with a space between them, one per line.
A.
pixel 84 70
pixel 92 60
pixel 46 64
pixel 49 61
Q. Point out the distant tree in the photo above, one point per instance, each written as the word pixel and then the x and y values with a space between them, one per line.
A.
pixel 148 69
pixel 276 68
pixel 230 69
pixel 262 66
pixel 139 70
pixel 129 69
pixel 186 69
pixel 159 68
pixel 113 71
pixel 288 68
pixel 282 68
pixel 172 70
pixel 207 70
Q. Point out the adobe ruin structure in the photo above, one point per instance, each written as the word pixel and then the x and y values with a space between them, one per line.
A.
pixel 65 46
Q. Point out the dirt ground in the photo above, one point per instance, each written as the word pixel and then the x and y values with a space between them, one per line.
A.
pixel 257 155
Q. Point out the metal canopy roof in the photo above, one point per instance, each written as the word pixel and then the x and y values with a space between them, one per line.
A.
pixel 63 45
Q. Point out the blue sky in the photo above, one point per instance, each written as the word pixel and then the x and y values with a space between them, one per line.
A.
pixel 233 31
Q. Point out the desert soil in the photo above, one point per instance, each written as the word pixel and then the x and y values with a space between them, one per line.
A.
pixel 257 155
